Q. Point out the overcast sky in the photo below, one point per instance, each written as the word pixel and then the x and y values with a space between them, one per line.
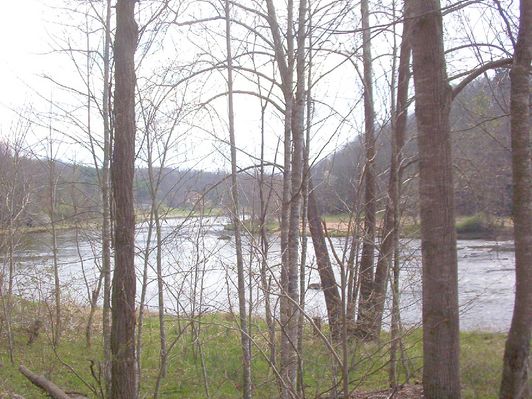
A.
pixel 23 36
pixel 28 27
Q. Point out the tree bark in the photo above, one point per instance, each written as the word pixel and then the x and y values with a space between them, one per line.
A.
pixel 52 191
pixel 441 377
pixel 124 281
pixel 288 321
pixel 106 204
pixel 389 231
pixel 515 380
pixel 333 301
pixel 235 213
pixel 370 205
pixel 45 384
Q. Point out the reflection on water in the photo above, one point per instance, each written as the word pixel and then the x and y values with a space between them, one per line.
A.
pixel 199 272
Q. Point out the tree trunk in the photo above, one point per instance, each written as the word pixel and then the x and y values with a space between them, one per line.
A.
pixel 45 384
pixel 124 281
pixel 160 288
pixel 441 377
pixel 235 213
pixel 52 187
pixel 284 61
pixel 106 206
pixel 515 380
pixel 389 231
pixel 143 290
pixel 328 280
pixel 370 205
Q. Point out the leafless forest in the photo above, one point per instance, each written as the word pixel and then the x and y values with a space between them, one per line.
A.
pixel 262 198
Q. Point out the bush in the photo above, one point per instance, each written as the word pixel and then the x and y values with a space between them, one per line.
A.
pixel 472 224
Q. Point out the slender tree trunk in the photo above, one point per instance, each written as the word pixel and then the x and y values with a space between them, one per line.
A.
pixel 370 204
pixel 7 300
pixel 235 213
pixel 124 281
pixel 328 280
pixel 305 189
pixel 285 63
pixel 52 187
pixel 389 229
pixel 144 287
pixel 264 245
pixel 106 205
pixel 441 378
pixel 298 129
pixel 515 379
pixel 93 306
pixel 160 288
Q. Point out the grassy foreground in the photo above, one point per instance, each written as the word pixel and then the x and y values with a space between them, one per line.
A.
pixel 205 361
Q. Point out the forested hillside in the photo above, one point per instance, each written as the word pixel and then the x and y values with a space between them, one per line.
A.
pixel 480 125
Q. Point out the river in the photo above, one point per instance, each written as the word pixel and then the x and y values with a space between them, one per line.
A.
pixel 199 275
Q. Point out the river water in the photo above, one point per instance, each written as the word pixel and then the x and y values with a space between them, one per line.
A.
pixel 199 272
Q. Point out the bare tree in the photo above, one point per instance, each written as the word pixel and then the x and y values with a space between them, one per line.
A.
pixel 16 191
pixel 441 378
pixel 292 181
pixel 122 167
pixel 391 216
pixel 106 199
pixel 235 214
pixel 370 201
pixel 325 270
pixel 52 200
pixel 515 379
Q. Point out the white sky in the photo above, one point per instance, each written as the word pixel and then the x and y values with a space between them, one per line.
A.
pixel 27 29
pixel 25 38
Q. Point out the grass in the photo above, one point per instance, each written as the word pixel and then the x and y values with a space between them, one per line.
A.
pixel 216 348
pixel 174 213
pixel 467 227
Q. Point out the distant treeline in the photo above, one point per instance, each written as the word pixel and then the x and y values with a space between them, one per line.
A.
pixel 480 124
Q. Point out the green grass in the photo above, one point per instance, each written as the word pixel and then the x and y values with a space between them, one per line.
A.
pixel 169 213
pixel 216 348
pixel 474 224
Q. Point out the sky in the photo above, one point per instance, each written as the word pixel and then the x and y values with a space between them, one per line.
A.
pixel 27 29
pixel 23 36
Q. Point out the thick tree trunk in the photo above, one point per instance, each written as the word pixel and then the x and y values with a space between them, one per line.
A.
pixel 370 205
pixel 515 380
pixel 441 377
pixel 124 281
pixel 389 231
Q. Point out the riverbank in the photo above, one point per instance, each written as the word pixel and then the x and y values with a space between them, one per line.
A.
pixel 196 354
pixel 475 227
pixel 65 224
